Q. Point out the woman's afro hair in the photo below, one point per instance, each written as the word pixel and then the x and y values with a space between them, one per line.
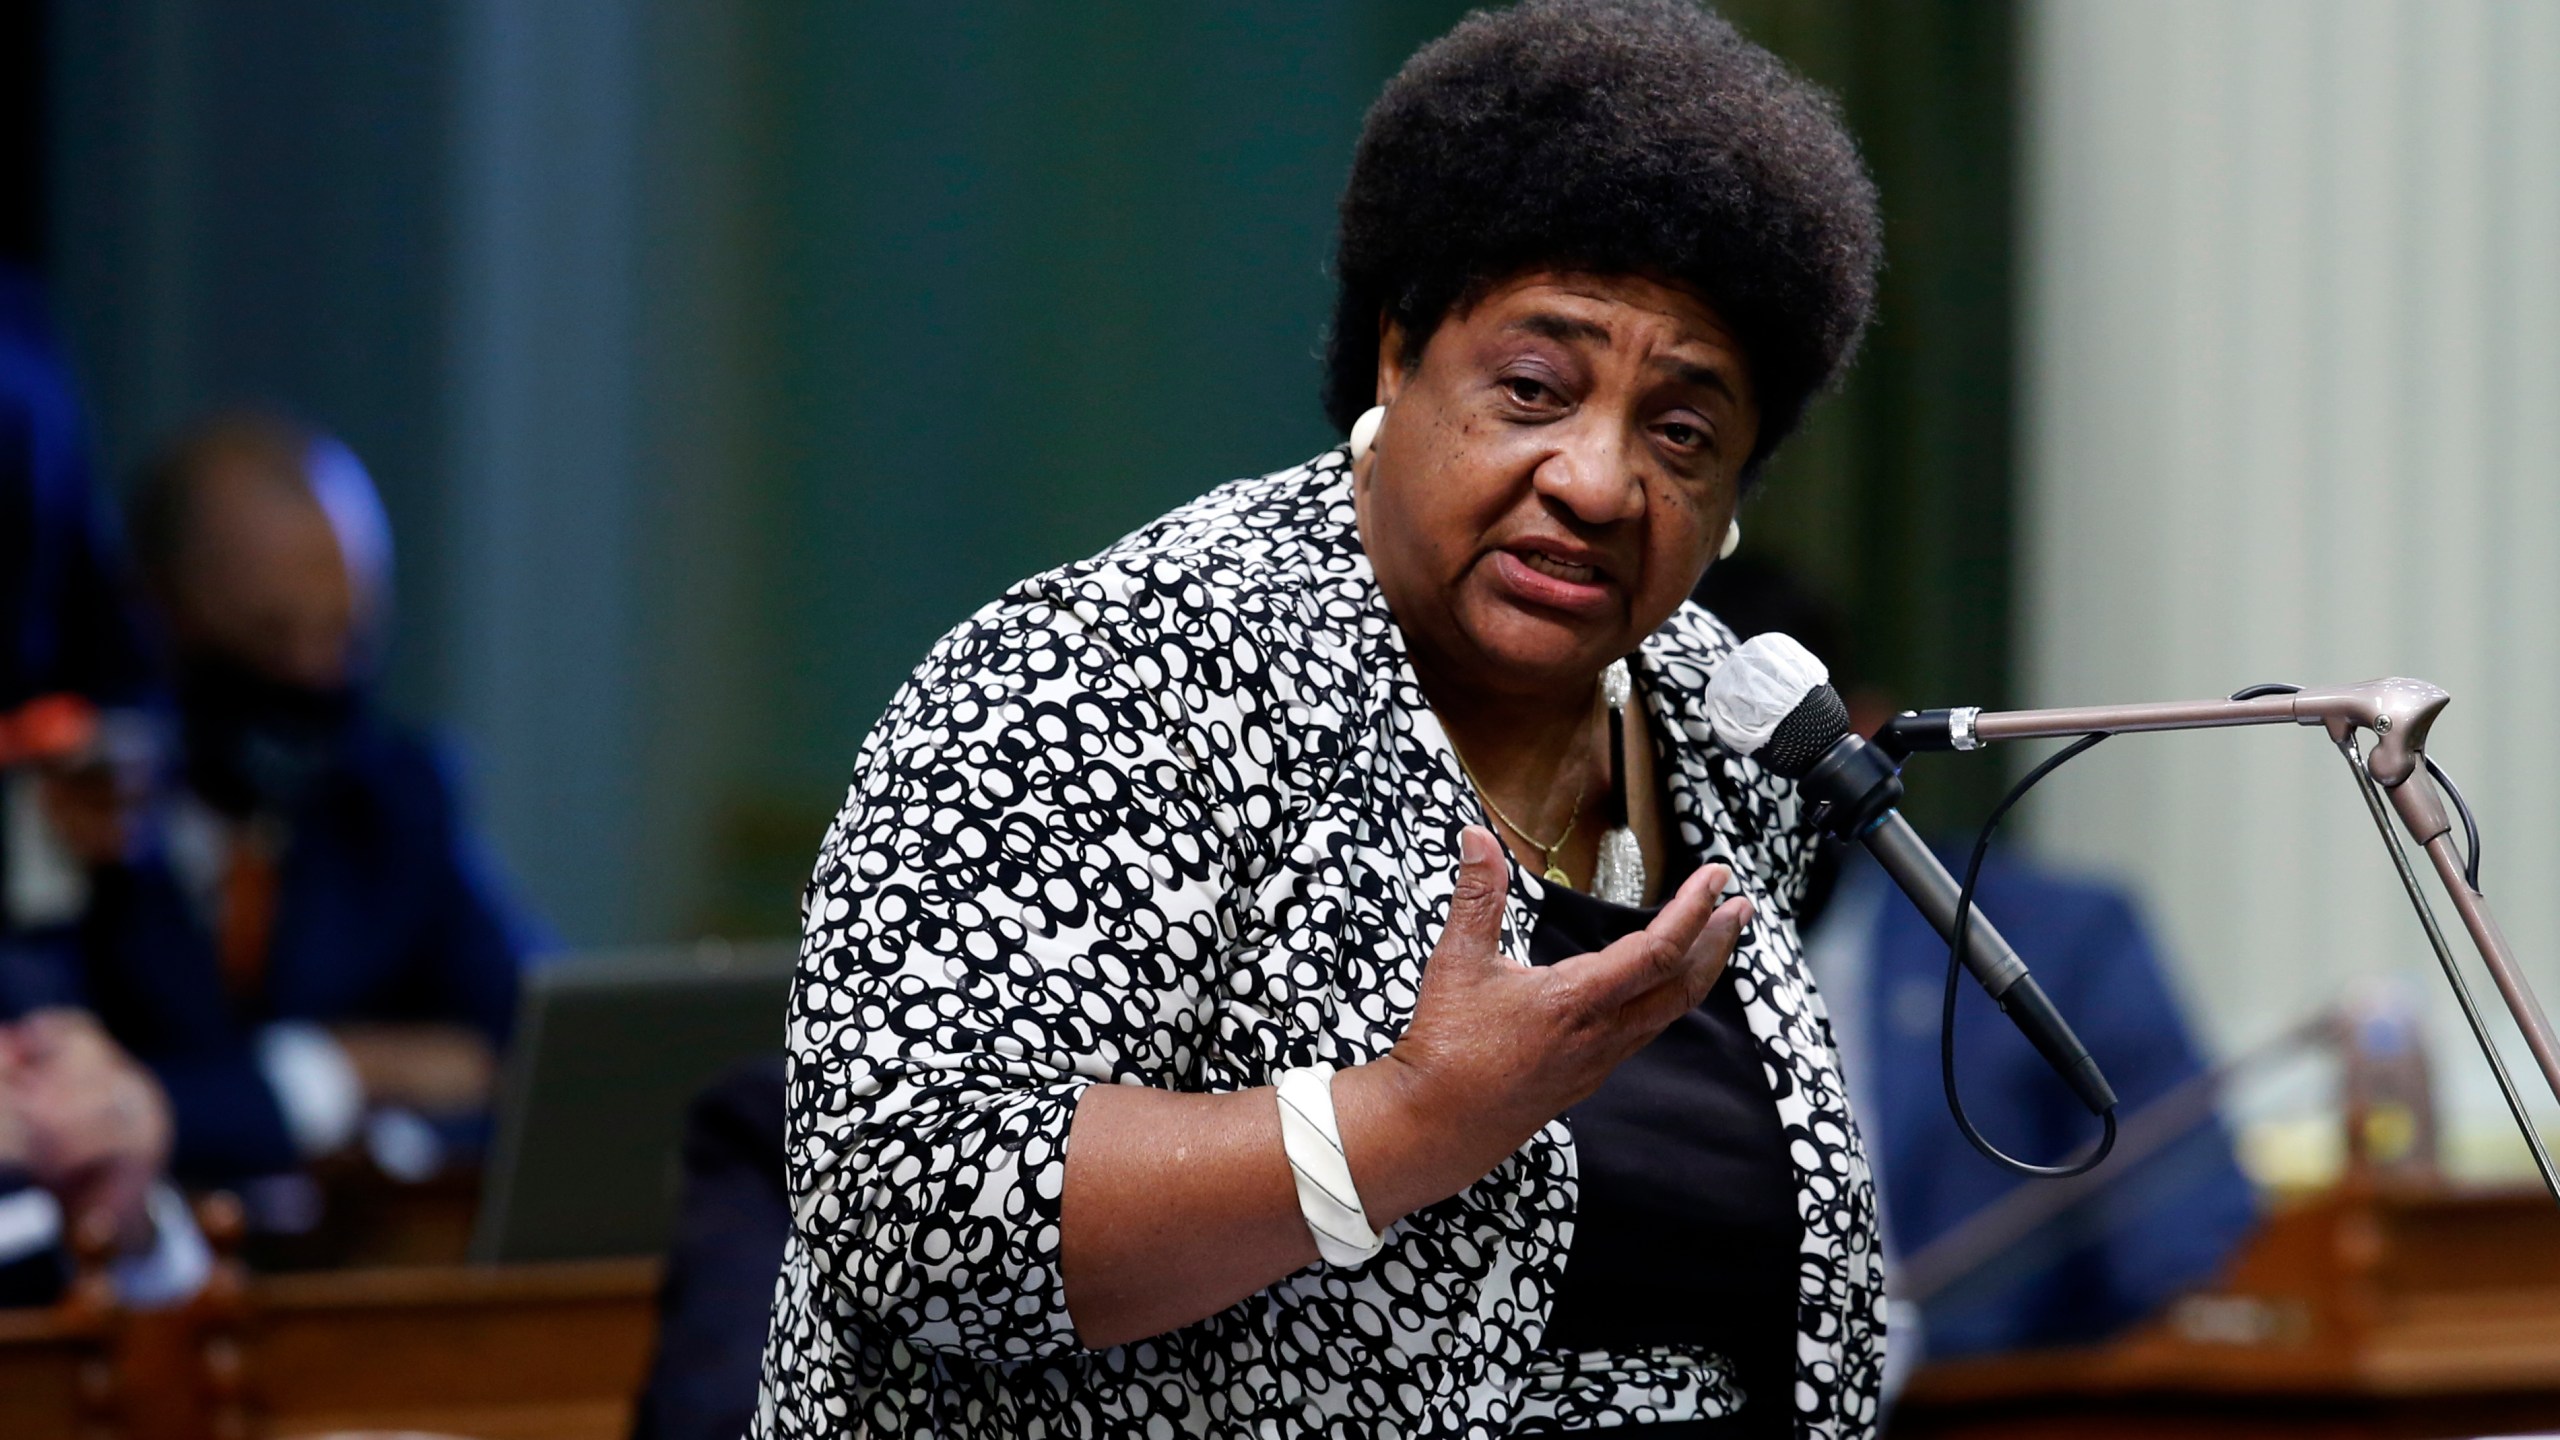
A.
pixel 1612 137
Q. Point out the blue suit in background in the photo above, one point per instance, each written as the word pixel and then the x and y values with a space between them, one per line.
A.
pixel 2165 1225
pixel 384 913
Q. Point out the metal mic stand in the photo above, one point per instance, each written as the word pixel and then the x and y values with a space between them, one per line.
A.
pixel 2391 772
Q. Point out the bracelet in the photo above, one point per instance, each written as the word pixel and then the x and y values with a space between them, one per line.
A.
pixel 1326 1196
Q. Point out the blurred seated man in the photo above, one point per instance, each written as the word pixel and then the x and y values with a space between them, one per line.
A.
pixel 310 940
pixel 2155 1227
pixel 84 1131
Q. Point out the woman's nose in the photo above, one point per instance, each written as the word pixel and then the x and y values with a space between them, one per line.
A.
pixel 1589 475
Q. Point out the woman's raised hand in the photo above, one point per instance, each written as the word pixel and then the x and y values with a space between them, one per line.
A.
pixel 1179 1205
pixel 1496 1049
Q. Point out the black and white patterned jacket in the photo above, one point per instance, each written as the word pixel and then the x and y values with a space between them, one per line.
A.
pixel 1179 816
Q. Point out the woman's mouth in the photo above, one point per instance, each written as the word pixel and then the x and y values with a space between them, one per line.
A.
pixel 1542 580
pixel 1549 565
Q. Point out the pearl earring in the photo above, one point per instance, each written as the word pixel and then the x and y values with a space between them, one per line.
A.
pixel 1364 431
pixel 1732 541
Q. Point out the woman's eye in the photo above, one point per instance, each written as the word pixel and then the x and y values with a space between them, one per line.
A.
pixel 1687 437
pixel 1525 390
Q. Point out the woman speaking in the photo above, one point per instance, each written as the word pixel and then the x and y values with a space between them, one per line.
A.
pixel 1306 969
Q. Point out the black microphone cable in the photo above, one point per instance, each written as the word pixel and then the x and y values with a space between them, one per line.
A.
pixel 1957 942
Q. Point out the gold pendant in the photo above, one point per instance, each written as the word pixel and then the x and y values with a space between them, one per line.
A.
pixel 1556 876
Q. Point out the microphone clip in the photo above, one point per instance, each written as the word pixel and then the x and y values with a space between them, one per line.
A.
pixel 1854 785
pixel 1913 731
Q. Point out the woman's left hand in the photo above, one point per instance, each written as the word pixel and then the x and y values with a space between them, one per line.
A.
pixel 1496 1049
pixel 1179 1205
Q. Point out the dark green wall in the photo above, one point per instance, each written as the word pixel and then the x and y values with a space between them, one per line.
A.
pixel 1035 274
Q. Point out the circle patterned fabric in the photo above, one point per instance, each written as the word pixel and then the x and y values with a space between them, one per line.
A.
pixel 1178 815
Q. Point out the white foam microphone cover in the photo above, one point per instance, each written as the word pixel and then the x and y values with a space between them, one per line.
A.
pixel 1758 685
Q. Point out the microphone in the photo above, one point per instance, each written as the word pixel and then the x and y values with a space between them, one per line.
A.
pixel 1772 701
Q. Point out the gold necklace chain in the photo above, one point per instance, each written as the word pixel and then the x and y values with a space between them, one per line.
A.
pixel 1516 827
pixel 1553 873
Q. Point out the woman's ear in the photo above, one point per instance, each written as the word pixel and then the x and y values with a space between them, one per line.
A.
pixel 1392 372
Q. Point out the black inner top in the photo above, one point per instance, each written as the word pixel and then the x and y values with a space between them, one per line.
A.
pixel 1686 1232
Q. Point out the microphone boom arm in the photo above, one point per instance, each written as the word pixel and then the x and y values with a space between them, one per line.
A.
pixel 2397 713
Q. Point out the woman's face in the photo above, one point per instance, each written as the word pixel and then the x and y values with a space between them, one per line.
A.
pixel 1552 477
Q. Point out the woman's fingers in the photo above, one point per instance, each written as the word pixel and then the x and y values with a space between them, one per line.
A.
pixel 1681 918
pixel 1484 1022
pixel 1674 961
pixel 1646 1012
pixel 1655 955
pixel 1714 946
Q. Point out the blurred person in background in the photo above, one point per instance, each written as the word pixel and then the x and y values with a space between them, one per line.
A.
pixel 2153 1227
pixel 84 1129
pixel 309 947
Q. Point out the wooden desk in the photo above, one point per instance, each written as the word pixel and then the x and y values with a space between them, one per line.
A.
pixel 56 1377
pixel 368 1220
pixel 2361 1314
pixel 525 1352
